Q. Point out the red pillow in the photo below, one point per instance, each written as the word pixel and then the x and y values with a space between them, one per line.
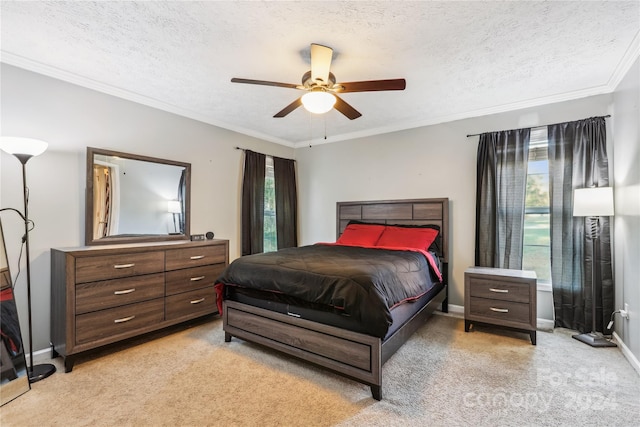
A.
pixel 361 234
pixel 401 237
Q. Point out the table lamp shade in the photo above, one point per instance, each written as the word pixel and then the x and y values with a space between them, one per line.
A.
pixel 594 201
pixel 174 206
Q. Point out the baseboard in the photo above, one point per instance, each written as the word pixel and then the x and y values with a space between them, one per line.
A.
pixel 454 311
pixel 627 353
pixel 39 356
pixel 545 324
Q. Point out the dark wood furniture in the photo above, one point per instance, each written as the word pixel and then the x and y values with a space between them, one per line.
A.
pixel 501 297
pixel 101 295
pixel 354 355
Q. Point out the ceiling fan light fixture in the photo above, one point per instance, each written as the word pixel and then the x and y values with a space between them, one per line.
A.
pixel 318 102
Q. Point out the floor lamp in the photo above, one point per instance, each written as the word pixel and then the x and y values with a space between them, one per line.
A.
pixel 593 202
pixel 24 149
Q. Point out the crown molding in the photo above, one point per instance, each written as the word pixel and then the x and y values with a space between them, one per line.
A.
pixel 632 53
pixel 536 102
pixel 627 61
pixel 49 71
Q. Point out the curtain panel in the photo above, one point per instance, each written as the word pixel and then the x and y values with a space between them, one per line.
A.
pixel 500 197
pixel 578 159
pixel 253 203
pixel 182 191
pixel 284 172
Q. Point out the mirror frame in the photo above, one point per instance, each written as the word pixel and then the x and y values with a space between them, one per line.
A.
pixel 88 233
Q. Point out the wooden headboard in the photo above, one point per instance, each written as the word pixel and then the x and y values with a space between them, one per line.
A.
pixel 409 211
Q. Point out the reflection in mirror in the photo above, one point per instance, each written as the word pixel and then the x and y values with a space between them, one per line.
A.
pixel 134 198
pixel 13 375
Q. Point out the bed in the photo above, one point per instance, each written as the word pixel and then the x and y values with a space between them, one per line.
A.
pixel 327 330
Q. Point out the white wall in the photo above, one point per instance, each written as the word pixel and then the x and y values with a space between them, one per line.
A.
pixel 432 161
pixel 71 118
pixel 626 166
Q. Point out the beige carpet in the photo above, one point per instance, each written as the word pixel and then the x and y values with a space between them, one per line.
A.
pixel 441 377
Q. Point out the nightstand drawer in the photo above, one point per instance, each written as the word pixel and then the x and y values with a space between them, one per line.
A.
pixel 497 289
pixel 505 311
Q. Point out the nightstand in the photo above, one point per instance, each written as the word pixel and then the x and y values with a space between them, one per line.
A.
pixel 501 297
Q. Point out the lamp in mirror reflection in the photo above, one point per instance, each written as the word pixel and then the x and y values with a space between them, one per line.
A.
pixel 175 208
pixel 24 149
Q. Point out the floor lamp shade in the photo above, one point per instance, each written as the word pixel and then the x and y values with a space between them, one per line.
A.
pixel 22 146
pixel 593 202
pixel 24 149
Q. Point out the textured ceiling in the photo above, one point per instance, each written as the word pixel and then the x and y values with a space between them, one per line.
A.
pixel 460 59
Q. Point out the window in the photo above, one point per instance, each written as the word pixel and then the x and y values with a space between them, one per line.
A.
pixel 537 237
pixel 270 235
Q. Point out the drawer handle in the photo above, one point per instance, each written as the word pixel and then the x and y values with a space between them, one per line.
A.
pixel 197 257
pixel 499 310
pixel 500 291
pixel 197 301
pixel 195 279
pixel 124 319
pixel 123 265
pixel 124 292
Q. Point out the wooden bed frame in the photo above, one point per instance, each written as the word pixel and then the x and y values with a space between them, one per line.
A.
pixel 353 355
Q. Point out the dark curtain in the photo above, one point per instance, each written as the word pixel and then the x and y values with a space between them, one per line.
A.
pixel 182 190
pixel 284 172
pixel 253 203
pixel 500 196
pixel 578 159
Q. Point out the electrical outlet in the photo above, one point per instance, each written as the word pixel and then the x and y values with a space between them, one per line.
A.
pixel 626 311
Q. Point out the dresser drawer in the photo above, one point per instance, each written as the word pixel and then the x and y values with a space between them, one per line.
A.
pixel 505 311
pixel 115 321
pixel 191 304
pixel 498 289
pixel 91 269
pixel 192 278
pixel 104 294
pixel 193 257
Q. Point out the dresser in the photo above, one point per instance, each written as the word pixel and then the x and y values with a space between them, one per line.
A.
pixel 502 297
pixel 104 294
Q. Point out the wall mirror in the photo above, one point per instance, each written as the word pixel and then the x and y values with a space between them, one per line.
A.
pixel 133 198
pixel 14 380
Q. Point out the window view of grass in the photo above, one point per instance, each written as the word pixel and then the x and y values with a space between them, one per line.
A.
pixel 537 251
pixel 536 254
pixel 270 240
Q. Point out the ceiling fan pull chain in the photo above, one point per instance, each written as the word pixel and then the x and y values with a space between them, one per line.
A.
pixel 325 127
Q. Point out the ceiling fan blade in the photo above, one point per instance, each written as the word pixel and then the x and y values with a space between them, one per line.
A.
pixel 264 83
pixel 346 109
pixel 373 85
pixel 289 108
pixel 320 63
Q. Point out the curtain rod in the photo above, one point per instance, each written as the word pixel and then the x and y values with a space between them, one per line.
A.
pixel 245 149
pixel 595 117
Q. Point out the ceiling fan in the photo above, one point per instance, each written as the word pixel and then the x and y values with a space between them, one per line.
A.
pixel 322 89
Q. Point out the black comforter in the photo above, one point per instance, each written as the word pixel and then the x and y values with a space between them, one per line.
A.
pixel 361 282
